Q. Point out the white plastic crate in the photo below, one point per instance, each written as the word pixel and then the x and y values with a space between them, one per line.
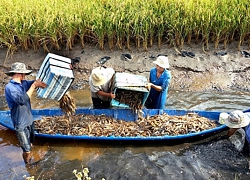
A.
pixel 55 71
pixel 129 82
pixel 127 79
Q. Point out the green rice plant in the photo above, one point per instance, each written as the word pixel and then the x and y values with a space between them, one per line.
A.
pixel 221 22
pixel 172 20
pixel 59 24
pixel 203 18
pixel 97 24
pixel 190 22
pixel 161 21
pixel 137 27
pixel 184 24
pixel 129 11
pixel 242 21
pixel 84 27
pixel 145 27
pixel 120 29
pixel 111 20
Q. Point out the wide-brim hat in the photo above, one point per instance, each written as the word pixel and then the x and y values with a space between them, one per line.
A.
pixel 18 67
pixel 162 61
pixel 235 119
pixel 97 77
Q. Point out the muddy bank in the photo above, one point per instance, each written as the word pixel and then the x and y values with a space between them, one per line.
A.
pixel 225 71
pixel 213 160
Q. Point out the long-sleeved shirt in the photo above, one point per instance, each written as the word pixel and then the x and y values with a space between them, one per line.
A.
pixel 157 99
pixel 247 130
pixel 19 103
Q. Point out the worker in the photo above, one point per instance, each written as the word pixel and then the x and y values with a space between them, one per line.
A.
pixel 18 93
pixel 159 80
pixel 239 128
pixel 100 83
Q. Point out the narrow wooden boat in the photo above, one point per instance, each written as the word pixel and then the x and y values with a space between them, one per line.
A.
pixel 121 114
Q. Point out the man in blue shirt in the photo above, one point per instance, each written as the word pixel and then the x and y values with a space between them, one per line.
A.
pixel 159 80
pixel 247 129
pixel 18 92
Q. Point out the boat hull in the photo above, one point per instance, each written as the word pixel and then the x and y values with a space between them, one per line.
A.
pixel 120 114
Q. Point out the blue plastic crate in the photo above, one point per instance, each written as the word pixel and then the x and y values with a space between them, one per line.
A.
pixel 116 103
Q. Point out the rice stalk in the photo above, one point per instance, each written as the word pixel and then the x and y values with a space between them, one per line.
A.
pixel 59 24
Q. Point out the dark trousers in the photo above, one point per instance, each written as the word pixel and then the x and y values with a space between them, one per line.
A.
pixel 26 137
pixel 100 104
pixel 246 148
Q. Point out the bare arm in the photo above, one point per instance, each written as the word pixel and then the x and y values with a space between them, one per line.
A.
pixel 151 85
pixel 110 95
pixel 231 131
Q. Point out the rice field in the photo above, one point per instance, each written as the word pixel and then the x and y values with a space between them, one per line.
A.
pixel 120 24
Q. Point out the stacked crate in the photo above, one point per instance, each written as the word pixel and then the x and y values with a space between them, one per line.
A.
pixel 56 72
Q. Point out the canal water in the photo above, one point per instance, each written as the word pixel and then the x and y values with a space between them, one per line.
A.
pixel 210 158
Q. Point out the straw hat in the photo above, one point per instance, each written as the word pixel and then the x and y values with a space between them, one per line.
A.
pixel 98 77
pixel 162 61
pixel 18 67
pixel 235 119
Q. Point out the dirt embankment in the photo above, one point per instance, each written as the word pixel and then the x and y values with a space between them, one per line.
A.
pixel 228 70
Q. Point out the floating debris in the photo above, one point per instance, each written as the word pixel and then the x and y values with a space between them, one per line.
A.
pixel 102 125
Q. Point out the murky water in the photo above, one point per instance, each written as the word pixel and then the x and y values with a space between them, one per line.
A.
pixel 153 160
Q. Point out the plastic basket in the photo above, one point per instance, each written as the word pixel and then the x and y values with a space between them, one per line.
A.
pixel 129 82
pixel 55 71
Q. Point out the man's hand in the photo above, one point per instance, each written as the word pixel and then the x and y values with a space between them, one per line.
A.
pixel 112 96
pixel 39 84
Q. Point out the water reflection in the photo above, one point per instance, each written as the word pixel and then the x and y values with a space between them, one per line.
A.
pixel 58 158
pixel 210 101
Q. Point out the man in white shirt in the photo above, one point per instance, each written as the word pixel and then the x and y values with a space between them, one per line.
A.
pixel 100 83
pixel 239 128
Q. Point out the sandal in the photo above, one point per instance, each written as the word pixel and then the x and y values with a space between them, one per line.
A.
pixel 189 54
pixel 220 53
pixel 245 54
pixel 103 60
pixel 126 57
pixel 152 56
pixel 184 53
